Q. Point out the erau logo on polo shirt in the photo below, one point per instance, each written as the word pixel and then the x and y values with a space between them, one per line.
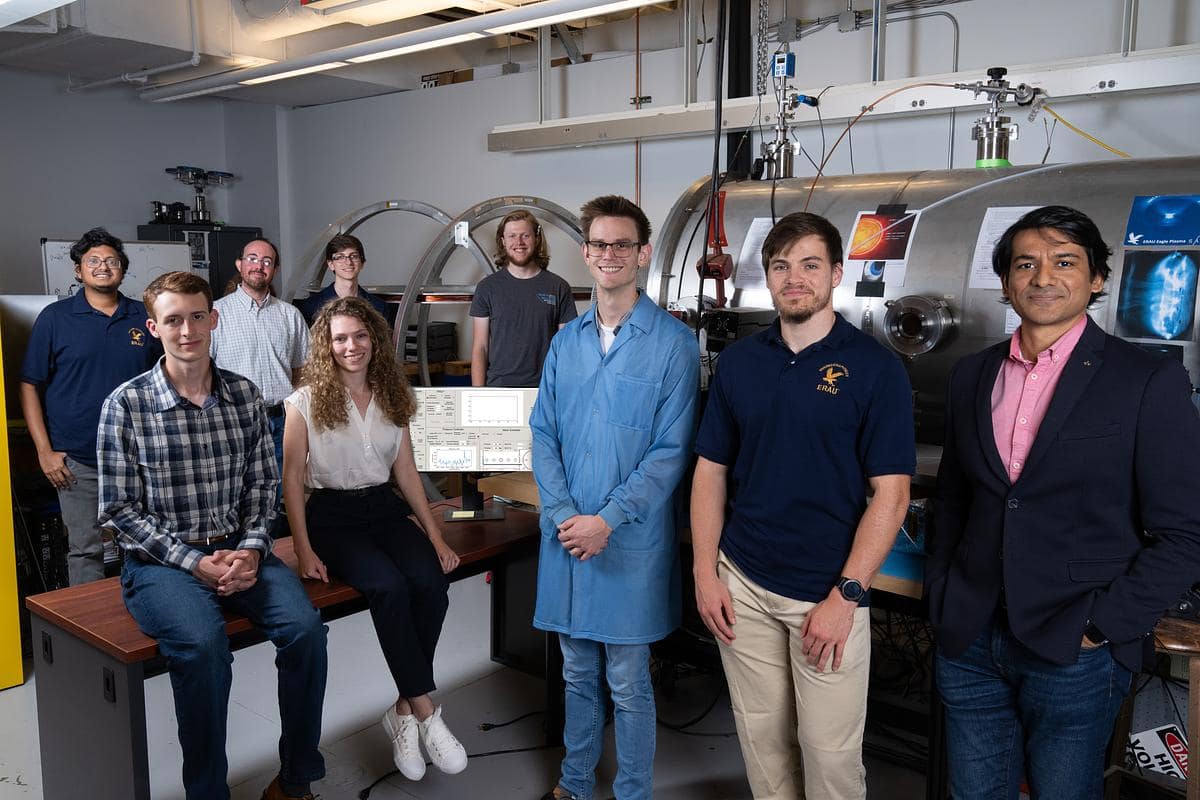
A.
pixel 830 375
pixel 137 337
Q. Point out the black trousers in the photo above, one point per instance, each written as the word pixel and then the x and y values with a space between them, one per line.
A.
pixel 367 540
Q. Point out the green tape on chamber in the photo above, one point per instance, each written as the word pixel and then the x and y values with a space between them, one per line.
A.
pixel 984 163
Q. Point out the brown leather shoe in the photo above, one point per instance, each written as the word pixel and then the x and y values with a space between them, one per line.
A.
pixel 273 792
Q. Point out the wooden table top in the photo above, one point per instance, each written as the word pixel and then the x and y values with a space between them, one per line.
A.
pixel 95 612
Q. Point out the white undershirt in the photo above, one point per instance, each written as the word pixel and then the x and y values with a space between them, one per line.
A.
pixel 354 456
pixel 607 335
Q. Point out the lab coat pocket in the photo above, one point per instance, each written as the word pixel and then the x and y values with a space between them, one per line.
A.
pixel 633 402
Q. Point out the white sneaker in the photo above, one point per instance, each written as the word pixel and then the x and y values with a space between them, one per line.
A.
pixel 444 750
pixel 402 729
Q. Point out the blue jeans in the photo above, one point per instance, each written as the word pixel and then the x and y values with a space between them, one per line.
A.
pixel 184 615
pixel 628 670
pixel 1009 711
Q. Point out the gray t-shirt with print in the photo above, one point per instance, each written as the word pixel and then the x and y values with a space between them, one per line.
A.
pixel 523 313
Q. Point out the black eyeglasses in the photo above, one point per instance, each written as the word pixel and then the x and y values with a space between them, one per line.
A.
pixel 342 258
pixel 619 249
pixel 95 261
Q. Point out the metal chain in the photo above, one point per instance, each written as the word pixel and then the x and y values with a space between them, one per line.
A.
pixel 764 10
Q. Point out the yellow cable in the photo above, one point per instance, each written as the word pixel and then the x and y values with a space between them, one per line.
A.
pixel 1085 135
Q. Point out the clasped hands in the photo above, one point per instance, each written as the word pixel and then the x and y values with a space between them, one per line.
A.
pixel 227 572
pixel 584 535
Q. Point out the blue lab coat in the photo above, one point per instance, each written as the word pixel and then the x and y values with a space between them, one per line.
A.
pixel 612 435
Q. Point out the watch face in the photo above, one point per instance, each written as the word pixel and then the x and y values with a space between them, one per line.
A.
pixel 851 589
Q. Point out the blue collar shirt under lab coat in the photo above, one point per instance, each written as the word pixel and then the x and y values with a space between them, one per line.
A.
pixel 612 435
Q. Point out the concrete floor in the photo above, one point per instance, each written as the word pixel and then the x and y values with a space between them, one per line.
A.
pixel 474 690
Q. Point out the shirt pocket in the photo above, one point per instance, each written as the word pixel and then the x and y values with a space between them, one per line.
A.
pixel 633 402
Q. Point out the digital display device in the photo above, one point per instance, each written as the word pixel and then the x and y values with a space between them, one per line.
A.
pixel 472 429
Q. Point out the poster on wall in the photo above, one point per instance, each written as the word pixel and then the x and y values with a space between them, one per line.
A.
pixel 879 247
pixel 996 221
pixel 749 273
pixel 1171 220
pixel 1158 294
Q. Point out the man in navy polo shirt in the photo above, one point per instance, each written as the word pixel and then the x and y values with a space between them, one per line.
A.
pixel 801 419
pixel 82 348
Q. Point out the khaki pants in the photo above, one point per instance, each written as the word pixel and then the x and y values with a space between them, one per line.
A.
pixel 796 726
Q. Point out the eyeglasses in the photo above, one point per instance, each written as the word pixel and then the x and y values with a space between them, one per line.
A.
pixel 342 258
pixel 266 262
pixel 619 249
pixel 96 261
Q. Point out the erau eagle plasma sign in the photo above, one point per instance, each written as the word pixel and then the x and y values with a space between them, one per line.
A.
pixel 1159 279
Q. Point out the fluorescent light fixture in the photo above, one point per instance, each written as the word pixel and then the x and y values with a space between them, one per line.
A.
pixel 294 72
pixel 322 4
pixel 567 16
pixel 415 48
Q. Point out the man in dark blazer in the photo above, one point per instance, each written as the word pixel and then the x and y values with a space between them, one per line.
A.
pixel 1067 521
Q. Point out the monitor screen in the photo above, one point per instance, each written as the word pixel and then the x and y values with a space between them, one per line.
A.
pixel 472 429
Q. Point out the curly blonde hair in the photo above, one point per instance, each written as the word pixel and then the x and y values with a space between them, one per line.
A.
pixel 385 377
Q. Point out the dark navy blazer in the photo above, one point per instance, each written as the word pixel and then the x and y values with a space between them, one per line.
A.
pixel 1102 524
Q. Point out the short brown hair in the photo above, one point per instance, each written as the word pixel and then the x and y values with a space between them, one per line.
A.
pixel 797 226
pixel 343 241
pixel 176 283
pixel 613 205
pixel 541 250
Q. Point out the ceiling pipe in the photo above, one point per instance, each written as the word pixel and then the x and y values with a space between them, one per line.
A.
pixel 142 75
pixel 448 33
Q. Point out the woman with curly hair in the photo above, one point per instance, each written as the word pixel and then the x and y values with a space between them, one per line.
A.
pixel 345 434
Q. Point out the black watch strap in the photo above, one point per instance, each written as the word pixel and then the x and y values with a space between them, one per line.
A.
pixel 1094 635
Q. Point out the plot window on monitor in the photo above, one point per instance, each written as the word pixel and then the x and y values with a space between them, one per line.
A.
pixel 472 429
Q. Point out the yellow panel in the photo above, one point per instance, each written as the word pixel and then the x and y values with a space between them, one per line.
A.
pixel 12 672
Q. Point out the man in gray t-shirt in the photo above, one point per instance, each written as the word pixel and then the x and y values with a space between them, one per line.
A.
pixel 517 308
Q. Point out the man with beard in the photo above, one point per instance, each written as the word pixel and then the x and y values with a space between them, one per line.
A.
pixel 80 349
pixel 802 418
pixel 518 308
pixel 261 337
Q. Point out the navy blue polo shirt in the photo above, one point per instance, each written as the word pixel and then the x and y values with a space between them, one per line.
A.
pixel 78 355
pixel 800 434
pixel 312 305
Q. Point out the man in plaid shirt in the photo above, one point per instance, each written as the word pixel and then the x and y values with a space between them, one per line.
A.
pixel 187 480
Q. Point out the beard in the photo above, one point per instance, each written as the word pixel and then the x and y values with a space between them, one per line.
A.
pixel 257 282
pixel 797 315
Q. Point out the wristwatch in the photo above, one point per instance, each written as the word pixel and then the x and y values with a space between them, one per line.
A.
pixel 851 589
pixel 1093 634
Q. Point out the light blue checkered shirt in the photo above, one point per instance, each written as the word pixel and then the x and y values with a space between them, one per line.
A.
pixel 261 342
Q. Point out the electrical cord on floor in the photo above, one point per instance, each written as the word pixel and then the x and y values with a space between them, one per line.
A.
pixel 365 793
pixel 491 726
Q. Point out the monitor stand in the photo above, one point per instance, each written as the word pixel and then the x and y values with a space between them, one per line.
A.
pixel 472 503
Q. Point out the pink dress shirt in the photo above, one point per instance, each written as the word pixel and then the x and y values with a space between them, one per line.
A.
pixel 1022 393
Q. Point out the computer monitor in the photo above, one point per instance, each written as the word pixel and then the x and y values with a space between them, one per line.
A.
pixel 472 429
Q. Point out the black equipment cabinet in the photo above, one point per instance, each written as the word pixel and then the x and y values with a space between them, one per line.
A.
pixel 214 247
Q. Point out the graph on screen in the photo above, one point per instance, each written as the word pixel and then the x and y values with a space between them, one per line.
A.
pixel 472 429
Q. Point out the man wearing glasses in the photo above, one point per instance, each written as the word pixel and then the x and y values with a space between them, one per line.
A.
pixel 612 429
pixel 344 257
pixel 261 337
pixel 82 348
pixel 518 308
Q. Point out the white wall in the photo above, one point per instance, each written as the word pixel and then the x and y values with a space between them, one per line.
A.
pixel 431 145
pixel 71 162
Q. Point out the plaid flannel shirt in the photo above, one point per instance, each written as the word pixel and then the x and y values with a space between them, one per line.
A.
pixel 171 472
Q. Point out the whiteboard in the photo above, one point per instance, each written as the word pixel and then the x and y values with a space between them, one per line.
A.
pixel 147 260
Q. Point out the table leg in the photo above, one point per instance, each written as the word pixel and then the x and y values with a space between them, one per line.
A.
pixel 91 712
